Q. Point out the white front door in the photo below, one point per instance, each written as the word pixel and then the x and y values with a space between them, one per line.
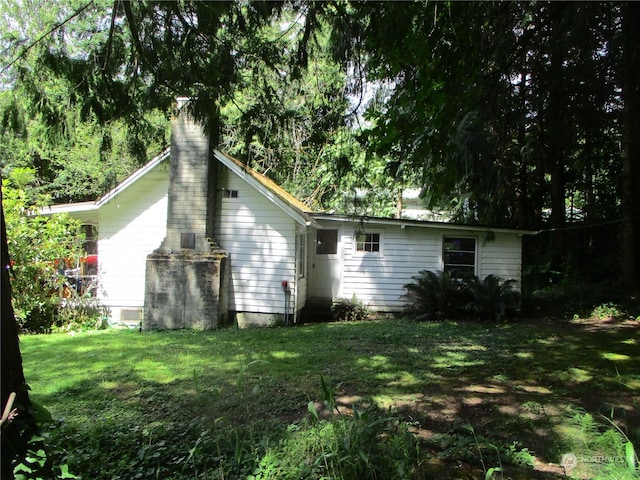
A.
pixel 325 265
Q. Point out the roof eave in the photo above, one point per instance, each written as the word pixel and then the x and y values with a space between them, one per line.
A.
pixel 301 216
pixel 404 223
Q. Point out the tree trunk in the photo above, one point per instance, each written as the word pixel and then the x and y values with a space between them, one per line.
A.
pixel 13 434
pixel 556 118
pixel 631 144
pixel 522 191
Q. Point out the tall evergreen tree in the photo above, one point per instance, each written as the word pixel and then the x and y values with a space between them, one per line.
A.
pixel 631 141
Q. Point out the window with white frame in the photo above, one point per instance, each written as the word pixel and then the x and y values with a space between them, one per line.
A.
pixel 459 256
pixel 302 255
pixel 368 242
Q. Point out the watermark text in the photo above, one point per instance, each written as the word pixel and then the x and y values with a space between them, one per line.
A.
pixel 570 460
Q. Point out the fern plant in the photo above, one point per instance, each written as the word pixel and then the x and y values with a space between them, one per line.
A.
pixel 435 295
pixel 492 298
pixel 349 310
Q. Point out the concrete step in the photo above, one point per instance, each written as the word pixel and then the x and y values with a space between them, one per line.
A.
pixel 316 311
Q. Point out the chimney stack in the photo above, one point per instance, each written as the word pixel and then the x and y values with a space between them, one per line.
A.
pixel 191 186
pixel 187 279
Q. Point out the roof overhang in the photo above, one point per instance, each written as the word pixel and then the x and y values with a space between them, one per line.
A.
pixel 406 223
pixel 268 188
pixel 86 212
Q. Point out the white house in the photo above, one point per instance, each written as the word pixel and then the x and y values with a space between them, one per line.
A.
pixel 131 223
pixel 373 258
pixel 280 254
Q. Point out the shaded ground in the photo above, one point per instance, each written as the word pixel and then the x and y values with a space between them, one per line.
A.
pixel 524 392
pixel 462 385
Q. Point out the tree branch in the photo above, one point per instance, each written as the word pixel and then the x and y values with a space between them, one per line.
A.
pixel 46 34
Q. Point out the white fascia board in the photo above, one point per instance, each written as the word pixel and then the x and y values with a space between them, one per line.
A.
pixel 86 212
pixel 134 177
pixel 68 208
pixel 404 223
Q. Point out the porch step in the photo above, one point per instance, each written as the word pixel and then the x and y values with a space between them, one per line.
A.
pixel 317 310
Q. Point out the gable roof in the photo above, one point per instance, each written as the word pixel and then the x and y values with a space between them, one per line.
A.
pixel 134 177
pixel 270 189
pixel 88 211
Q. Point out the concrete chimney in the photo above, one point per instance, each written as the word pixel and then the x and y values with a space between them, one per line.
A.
pixel 187 280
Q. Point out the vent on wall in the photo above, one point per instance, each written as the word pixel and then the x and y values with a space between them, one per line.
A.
pixel 229 193
pixel 131 315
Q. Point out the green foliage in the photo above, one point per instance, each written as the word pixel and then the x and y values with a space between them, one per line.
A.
pixel 40 248
pixel 37 246
pixel 586 300
pixel 602 450
pixel 435 295
pixel 79 315
pixel 364 445
pixel 43 457
pixel 463 443
pixel 493 298
pixel 470 123
pixel 349 309
pixel 81 163
pixel 608 311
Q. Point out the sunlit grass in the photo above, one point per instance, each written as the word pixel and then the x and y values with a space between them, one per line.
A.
pixel 615 357
pixel 370 356
pixel 524 355
pixel 185 379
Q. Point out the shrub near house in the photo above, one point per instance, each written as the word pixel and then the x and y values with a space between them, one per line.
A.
pixel 437 295
pixel 36 246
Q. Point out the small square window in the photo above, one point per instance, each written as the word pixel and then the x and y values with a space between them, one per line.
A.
pixel 229 193
pixel 327 242
pixel 368 242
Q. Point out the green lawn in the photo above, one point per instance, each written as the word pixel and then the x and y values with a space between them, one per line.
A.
pixel 191 404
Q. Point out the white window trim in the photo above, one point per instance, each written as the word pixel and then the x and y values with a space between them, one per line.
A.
pixel 362 253
pixel 301 254
pixel 476 253
pixel 229 193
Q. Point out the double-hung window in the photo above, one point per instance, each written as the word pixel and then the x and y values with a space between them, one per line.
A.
pixel 459 256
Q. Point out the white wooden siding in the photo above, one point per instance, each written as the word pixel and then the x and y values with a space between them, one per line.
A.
pixel 378 278
pixel 132 225
pixel 261 241
pixel 501 257
pixel 301 281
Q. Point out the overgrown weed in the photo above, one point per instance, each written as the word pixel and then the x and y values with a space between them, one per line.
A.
pixel 597 448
